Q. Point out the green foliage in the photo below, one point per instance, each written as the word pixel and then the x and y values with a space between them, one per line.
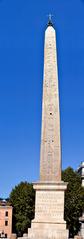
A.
pixel 74 200
pixel 22 198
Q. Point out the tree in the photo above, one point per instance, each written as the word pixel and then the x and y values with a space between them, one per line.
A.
pixel 22 198
pixel 74 200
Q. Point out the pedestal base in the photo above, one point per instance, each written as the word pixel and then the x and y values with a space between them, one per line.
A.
pixel 49 212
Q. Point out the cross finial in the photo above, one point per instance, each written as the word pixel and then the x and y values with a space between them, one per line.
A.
pixel 50 20
pixel 50 17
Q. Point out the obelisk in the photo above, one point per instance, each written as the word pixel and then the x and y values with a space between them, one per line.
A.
pixel 50 163
pixel 49 202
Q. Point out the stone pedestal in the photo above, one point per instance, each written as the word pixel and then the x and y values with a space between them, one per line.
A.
pixel 49 212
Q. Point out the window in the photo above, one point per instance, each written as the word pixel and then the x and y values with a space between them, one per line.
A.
pixel 6 213
pixel 6 235
pixel 6 223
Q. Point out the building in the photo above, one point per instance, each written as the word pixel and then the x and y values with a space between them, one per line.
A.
pixel 80 171
pixel 5 220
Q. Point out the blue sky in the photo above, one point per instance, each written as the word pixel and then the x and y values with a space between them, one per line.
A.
pixel 22 27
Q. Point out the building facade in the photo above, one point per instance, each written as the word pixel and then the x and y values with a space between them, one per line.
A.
pixel 5 220
pixel 80 171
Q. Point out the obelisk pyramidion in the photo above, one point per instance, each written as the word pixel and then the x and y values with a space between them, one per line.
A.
pixel 49 202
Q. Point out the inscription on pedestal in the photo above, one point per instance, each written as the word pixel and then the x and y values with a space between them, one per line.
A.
pixel 49 205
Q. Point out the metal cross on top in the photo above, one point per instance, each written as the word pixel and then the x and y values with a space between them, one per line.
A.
pixel 50 20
